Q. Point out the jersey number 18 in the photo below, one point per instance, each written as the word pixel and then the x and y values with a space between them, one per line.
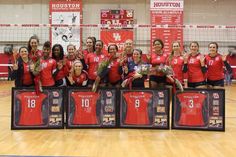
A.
pixel 31 103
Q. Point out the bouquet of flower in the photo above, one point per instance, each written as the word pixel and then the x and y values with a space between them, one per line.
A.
pixel 169 73
pixel 102 67
pixel 164 69
pixel 143 69
pixel 36 68
pixel 101 72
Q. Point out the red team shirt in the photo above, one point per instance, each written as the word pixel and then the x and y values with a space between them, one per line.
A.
pixel 27 77
pixel 69 63
pixel 38 54
pixel 137 107
pixel 232 61
pixel 113 74
pixel 62 73
pixel 177 64
pixel 85 53
pixel 93 61
pixel 31 108
pixel 80 80
pixel 215 67
pixel 85 107
pixel 191 109
pixel 158 59
pixel 47 68
pixel 194 69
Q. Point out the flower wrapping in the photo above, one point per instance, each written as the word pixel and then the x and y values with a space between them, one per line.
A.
pixel 101 72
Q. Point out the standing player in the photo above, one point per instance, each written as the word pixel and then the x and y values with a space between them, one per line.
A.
pixel 48 66
pixel 194 65
pixel 127 55
pixel 30 105
pixel 62 70
pixel 137 108
pixel 72 56
pixel 90 47
pixel 34 52
pixel 215 66
pixel 93 60
pixel 85 107
pixel 21 70
pixel 176 61
pixel 128 50
pixel 158 58
pixel 115 67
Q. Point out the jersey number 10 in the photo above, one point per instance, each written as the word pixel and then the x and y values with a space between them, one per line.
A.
pixel 85 102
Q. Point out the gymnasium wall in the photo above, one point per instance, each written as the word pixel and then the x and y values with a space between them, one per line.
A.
pixel 214 12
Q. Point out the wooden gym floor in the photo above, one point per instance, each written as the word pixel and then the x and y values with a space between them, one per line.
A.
pixel 116 142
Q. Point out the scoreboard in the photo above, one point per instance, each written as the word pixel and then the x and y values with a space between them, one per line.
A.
pixel 117 17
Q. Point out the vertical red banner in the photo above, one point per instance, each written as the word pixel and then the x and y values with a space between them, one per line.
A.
pixel 168 15
pixel 64 16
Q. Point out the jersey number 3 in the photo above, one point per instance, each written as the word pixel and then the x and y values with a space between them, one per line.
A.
pixel 191 104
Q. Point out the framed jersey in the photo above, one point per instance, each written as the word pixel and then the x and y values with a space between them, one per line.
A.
pixel 144 108
pixel 37 111
pixel 91 109
pixel 201 109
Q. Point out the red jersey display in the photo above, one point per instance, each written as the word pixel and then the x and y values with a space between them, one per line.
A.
pixel 47 68
pixel 31 108
pixel 191 113
pixel 215 67
pixel 137 107
pixel 93 61
pixel 194 69
pixel 85 107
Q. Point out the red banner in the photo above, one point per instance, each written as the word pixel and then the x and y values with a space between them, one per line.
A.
pixel 166 12
pixel 117 17
pixel 65 13
pixel 117 37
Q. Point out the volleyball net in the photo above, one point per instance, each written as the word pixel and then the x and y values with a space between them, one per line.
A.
pixel 14 36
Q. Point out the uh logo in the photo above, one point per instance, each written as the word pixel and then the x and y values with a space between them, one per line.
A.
pixel 117 36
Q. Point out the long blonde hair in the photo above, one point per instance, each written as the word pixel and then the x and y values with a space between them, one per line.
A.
pixel 172 52
pixel 72 71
